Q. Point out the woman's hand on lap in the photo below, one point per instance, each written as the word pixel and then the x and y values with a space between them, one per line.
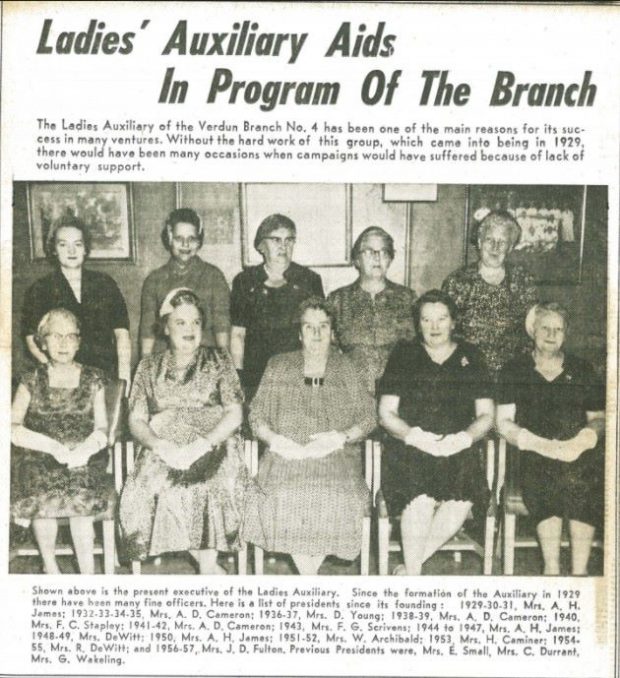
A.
pixel 322 444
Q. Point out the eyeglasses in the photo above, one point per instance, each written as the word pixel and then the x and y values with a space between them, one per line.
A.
pixel 72 337
pixel 370 253
pixel 190 240
pixel 280 241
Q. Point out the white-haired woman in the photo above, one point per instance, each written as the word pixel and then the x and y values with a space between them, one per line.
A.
pixel 58 433
pixel 372 314
pixel 492 295
pixel 184 410
pixel 551 406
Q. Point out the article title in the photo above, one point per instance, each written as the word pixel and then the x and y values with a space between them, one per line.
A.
pixel 350 41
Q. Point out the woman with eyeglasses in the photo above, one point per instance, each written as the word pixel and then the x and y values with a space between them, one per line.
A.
pixel 182 236
pixel 373 313
pixel 58 436
pixel 92 296
pixel 492 295
pixel 265 299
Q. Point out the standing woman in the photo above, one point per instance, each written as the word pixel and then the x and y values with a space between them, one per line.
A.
pixel 435 403
pixel 492 295
pixel 185 408
pixel 93 297
pixel 551 406
pixel 182 236
pixel 58 433
pixel 265 299
pixel 372 314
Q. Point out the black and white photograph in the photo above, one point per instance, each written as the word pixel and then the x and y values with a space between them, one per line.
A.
pixel 428 408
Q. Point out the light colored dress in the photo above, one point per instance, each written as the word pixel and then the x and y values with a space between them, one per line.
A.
pixel 310 506
pixel 163 509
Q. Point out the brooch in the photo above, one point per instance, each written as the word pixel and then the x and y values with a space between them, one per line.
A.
pixel 464 361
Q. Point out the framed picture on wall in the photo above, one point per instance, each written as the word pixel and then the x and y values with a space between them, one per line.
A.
pixel 216 207
pixel 553 227
pixel 321 213
pixel 105 208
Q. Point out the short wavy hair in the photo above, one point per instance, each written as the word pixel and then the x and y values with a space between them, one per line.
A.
pixel 182 215
pixel 388 241
pixel 272 223
pixel 43 327
pixel 319 304
pixel 499 219
pixel 66 221
pixel 542 308
pixel 432 297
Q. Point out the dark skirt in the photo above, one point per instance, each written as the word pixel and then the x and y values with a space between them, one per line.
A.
pixel 407 473
pixel 567 490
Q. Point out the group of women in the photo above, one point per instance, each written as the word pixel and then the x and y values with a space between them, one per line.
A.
pixel 318 376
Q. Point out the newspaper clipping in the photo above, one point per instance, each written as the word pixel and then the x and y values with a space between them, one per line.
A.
pixel 322 299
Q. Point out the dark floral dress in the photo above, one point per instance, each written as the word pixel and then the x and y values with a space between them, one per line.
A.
pixel 41 487
pixel 164 509
pixel 369 327
pixel 492 317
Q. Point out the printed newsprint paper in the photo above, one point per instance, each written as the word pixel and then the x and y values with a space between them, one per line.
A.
pixel 416 118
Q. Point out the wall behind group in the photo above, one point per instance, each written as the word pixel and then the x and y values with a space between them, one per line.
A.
pixel 429 240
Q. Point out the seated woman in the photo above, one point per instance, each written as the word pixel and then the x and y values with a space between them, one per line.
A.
pixel 311 409
pixel 184 410
pixel 58 433
pixel 435 403
pixel 551 406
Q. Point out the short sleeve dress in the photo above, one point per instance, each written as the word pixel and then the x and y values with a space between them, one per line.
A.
pixel 163 509
pixel 556 410
pixel 439 398
pixel 369 327
pixel 102 310
pixel 310 506
pixel 41 487
pixel 269 315
pixel 492 317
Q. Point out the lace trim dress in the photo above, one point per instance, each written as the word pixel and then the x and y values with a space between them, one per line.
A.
pixel 41 487
pixel 163 509
pixel 310 506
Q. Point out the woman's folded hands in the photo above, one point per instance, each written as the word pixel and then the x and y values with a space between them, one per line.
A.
pixel 564 450
pixel 320 445
pixel 438 445
pixel 182 456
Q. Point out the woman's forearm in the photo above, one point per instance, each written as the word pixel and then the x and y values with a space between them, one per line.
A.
pixel 39 442
pixel 480 427
pixel 237 346
pixel 228 424
pixel 264 433
pixel 143 433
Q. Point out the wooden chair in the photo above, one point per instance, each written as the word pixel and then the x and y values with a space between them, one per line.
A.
pixel 513 508
pixel 114 393
pixel 242 554
pixel 461 541
pixel 366 521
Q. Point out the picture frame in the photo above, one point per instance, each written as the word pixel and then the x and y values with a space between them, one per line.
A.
pixel 105 207
pixel 322 214
pixel 217 209
pixel 553 227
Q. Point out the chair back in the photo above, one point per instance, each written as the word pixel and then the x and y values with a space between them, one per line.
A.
pixel 114 393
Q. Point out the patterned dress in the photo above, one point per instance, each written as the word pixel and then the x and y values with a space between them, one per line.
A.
pixel 310 506
pixel 41 487
pixel 439 398
pixel 492 317
pixel 369 327
pixel 556 410
pixel 163 509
